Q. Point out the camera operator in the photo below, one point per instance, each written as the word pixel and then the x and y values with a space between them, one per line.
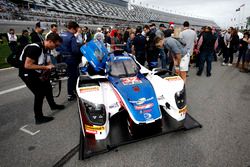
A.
pixel 36 64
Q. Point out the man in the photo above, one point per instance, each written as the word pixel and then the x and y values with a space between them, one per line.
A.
pixel 53 28
pixel 36 35
pixel 71 56
pixel 139 46
pixel 12 39
pixel 189 37
pixel 127 34
pixel 163 52
pixel 99 35
pixel 130 42
pixel 206 45
pixel 23 41
pixel 36 63
pixel 152 51
pixel 177 51
pixel 227 39
pixel 86 35
pixel 54 53
pixel 160 32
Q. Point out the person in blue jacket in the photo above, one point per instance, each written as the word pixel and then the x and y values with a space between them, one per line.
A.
pixel 71 55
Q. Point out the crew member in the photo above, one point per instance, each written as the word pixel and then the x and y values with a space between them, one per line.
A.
pixel 33 72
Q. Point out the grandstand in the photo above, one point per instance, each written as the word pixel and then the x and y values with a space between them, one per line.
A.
pixel 101 12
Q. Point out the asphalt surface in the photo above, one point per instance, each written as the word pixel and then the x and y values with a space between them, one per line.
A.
pixel 221 103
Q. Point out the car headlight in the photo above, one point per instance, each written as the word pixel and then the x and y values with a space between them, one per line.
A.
pixel 180 98
pixel 96 113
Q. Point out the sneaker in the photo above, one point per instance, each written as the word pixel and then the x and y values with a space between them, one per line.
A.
pixel 229 64
pixel 223 64
pixel 71 97
pixel 43 119
pixel 57 107
pixel 208 74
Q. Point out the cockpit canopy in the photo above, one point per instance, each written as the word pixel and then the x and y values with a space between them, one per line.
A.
pixel 122 67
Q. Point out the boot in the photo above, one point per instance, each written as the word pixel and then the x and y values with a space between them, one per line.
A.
pixel 242 69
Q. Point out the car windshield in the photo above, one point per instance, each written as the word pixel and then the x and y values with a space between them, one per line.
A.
pixel 99 55
pixel 123 68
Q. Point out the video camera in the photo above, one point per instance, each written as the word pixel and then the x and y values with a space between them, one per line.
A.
pixel 59 71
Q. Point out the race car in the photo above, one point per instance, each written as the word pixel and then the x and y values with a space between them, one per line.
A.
pixel 120 101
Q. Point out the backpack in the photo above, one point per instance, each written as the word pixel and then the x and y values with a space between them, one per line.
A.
pixel 15 59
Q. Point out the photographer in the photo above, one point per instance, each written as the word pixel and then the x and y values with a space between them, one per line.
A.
pixel 35 74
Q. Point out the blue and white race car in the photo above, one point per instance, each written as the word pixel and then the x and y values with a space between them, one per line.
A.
pixel 120 101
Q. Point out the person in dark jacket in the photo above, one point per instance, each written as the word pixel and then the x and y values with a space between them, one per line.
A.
pixel 242 50
pixel 206 45
pixel 23 40
pixel 36 35
pixel 71 55
pixel 139 46
pixel 152 51
pixel 86 35
pixel 130 42
pixel 126 34
pixel 233 47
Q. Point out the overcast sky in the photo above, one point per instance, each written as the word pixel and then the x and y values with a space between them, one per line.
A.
pixel 223 12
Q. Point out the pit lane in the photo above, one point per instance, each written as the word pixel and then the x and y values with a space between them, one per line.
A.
pixel 220 103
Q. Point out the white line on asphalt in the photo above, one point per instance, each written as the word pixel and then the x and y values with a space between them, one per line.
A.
pixel 3 69
pixel 12 89
pixel 27 131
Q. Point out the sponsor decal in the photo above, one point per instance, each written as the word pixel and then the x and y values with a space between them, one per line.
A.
pixel 122 58
pixel 131 81
pixel 91 131
pixel 145 106
pixel 183 110
pixel 141 101
pixel 94 128
pixel 89 89
pixel 149 110
pixel 136 89
pixel 147 116
pixel 114 105
pixel 175 78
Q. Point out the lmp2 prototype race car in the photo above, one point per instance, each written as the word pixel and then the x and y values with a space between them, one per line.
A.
pixel 120 101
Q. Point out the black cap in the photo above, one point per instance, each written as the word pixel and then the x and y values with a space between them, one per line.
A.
pixel 162 25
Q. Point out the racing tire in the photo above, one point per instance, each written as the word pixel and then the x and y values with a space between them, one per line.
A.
pixel 81 146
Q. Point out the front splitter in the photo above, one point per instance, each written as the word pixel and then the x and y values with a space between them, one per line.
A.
pixel 119 134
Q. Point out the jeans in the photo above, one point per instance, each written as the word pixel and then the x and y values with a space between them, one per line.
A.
pixel 242 55
pixel 164 58
pixel 229 56
pixel 208 57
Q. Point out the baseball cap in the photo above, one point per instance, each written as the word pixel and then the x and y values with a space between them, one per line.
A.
pixel 162 25
pixel 41 25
